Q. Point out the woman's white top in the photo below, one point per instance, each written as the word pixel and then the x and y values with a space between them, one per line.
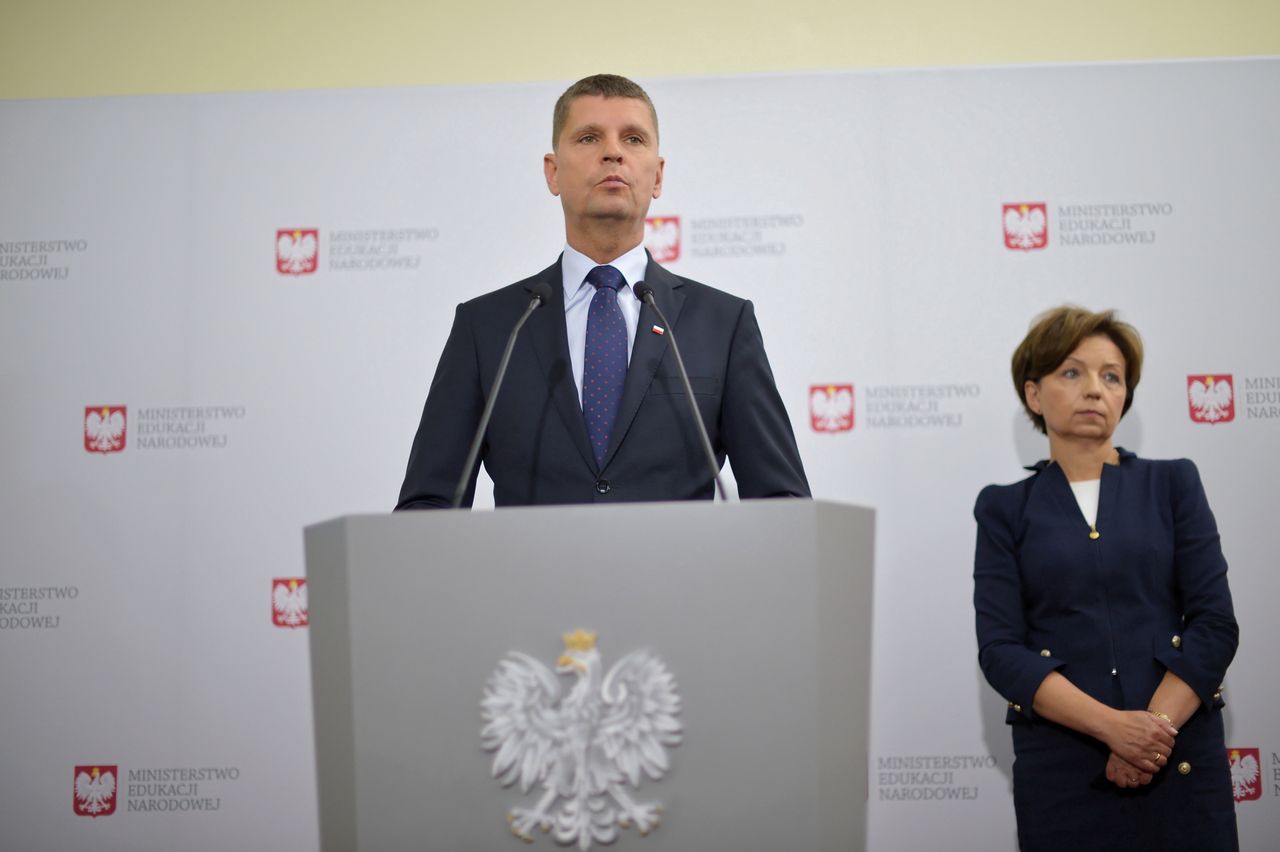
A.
pixel 1087 497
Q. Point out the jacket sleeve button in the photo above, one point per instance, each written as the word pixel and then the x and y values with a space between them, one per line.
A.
pixel 1184 768
pixel 1176 641
pixel 1044 652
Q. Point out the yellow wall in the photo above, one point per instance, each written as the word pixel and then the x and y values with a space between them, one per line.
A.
pixel 70 48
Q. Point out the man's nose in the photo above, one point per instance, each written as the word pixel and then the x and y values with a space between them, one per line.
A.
pixel 612 150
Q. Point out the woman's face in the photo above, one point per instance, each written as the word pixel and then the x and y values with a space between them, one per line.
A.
pixel 1084 396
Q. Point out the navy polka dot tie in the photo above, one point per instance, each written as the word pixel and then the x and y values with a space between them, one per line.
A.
pixel 604 363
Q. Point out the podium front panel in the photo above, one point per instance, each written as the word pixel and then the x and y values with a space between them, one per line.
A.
pixel 760 611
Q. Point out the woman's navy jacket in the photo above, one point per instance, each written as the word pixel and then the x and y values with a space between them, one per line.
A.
pixel 1112 614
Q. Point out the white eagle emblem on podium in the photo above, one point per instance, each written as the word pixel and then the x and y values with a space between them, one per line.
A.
pixel 586 747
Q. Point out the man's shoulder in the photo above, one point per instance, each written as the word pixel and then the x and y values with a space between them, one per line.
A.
pixel 692 289
pixel 516 294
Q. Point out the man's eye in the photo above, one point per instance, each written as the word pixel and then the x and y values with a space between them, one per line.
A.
pixel 639 140
pixel 587 138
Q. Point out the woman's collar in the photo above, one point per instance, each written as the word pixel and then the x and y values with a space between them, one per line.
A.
pixel 1043 463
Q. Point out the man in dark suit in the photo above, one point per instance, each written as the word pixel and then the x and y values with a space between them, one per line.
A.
pixel 592 407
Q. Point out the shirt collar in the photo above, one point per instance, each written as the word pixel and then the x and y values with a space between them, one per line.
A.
pixel 574 266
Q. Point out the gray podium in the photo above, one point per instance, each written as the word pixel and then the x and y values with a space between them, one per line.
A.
pixel 760 610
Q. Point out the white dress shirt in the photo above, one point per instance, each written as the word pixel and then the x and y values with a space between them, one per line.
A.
pixel 578 293
pixel 1087 492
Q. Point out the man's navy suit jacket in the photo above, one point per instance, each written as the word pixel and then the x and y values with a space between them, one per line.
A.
pixel 536 449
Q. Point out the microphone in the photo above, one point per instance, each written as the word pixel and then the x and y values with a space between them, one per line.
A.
pixel 645 294
pixel 540 294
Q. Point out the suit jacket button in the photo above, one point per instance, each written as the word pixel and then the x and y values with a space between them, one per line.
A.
pixel 1184 768
pixel 1044 652
pixel 1176 641
pixel 1017 708
pixel 602 486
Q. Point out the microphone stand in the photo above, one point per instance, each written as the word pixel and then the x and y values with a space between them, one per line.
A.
pixel 541 293
pixel 645 293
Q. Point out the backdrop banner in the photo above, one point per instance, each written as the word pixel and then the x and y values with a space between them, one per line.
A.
pixel 220 314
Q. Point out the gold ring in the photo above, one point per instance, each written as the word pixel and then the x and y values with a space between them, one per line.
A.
pixel 1156 759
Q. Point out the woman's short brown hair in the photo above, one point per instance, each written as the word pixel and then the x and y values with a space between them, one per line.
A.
pixel 1056 333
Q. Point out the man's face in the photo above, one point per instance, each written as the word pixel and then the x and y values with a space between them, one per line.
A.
pixel 606 164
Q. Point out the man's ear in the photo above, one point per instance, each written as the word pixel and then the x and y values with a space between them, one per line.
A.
pixel 657 184
pixel 549 170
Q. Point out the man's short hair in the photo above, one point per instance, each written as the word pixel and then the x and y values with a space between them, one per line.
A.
pixel 602 85
pixel 1056 333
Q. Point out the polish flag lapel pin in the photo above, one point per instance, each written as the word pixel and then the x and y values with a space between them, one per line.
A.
pixel 658 330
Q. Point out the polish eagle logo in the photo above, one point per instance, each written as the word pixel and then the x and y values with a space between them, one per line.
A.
pixel 1026 226
pixel 104 429
pixel 831 408
pixel 289 603
pixel 296 251
pixel 585 748
pixel 1210 398
pixel 662 238
pixel 95 791
pixel 1245 774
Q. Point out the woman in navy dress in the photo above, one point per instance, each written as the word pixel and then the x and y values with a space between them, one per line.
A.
pixel 1104 615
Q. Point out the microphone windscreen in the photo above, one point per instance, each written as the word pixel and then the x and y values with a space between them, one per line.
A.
pixel 642 290
pixel 541 291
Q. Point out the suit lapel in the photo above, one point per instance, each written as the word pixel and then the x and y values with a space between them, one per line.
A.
pixel 647 351
pixel 551 343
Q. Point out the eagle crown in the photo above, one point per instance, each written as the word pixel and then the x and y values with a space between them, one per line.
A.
pixel 580 655
pixel 579 640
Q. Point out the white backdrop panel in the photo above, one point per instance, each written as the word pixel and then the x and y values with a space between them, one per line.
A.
pixel 862 212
